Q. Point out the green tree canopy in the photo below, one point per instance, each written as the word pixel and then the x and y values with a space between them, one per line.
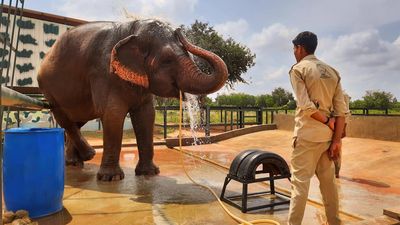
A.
pixel 379 99
pixel 357 104
pixel 236 99
pixel 281 97
pixel 237 57
pixel 160 101
pixel 265 100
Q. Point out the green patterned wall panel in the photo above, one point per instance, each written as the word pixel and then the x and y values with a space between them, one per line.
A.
pixel 4 34
pixel 50 42
pixel 36 120
pixel 42 55
pixel 4 21
pixel 25 81
pixel 24 53
pixel 4 79
pixel 3 52
pixel 27 24
pixel 25 68
pixel 50 29
pixel 27 39
pixel 4 64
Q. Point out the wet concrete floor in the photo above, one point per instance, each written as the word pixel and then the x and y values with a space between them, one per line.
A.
pixel 370 181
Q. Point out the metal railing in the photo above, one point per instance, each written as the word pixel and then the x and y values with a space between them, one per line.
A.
pixel 10 98
pixel 230 117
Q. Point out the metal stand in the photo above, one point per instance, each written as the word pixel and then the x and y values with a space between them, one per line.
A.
pixel 244 170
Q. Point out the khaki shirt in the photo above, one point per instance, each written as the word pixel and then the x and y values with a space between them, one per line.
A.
pixel 316 86
pixel 347 102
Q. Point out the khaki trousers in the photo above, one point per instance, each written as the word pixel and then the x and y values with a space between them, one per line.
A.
pixel 309 158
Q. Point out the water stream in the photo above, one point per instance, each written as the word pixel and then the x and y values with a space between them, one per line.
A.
pixel 192 109
pixel 192 116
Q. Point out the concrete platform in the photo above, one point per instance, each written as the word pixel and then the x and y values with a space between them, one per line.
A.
pixel 370 181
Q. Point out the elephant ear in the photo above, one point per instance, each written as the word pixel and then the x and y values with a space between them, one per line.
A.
pixel 127 61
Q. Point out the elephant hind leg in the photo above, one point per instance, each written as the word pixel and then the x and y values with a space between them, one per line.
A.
pixel 72 157
pixel 77 147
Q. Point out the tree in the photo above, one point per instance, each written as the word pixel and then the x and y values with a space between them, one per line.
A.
pixel 237 57
pixel 281 97
pixel 265 100
pixel 357 104
pixel 379 99
pixel 160 101
pixel 236 99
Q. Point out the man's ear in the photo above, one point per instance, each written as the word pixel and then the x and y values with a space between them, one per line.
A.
pixel 127 61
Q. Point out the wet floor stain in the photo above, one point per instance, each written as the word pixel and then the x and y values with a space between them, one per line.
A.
pixel 367 182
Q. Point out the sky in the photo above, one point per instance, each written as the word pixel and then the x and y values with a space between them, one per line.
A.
pixel 359 38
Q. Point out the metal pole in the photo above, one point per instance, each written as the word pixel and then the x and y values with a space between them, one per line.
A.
pixel 15 53
pixel 237 117
pixel 12 40
pixel 16 47
pixel 1 10
pixel 4 49
pixel 272 116
pixel 10 97
pixel 165 122
pixel 208 121
pixel 225 121
pixel 231 119
pixel 241 114
pixel 18 121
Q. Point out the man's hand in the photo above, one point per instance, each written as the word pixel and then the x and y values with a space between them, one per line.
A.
pixel 331 123
pixel 334 150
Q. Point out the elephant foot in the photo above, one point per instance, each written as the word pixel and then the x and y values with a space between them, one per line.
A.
pixel 147 169
pixel 74 161
pixel 110 174
pixel 87 154
pixel 72 158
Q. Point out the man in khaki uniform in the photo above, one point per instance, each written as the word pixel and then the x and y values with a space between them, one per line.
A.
pixel 338 161
pixel 317 136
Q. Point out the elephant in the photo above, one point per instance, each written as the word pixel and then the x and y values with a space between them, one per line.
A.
pixel 106 70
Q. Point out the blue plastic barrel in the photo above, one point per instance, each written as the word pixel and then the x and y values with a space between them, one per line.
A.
pixel 34 170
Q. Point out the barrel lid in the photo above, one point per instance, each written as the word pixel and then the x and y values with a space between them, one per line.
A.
pixel 33 130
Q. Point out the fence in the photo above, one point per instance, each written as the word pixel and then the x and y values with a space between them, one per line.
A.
pixel 227 116
pixel 224 117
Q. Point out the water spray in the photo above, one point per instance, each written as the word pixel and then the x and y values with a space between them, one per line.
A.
pixel 238 219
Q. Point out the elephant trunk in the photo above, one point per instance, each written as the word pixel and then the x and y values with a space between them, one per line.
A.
pixel 195 81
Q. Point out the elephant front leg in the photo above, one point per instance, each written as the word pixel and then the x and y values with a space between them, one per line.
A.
pixel 110 169
pixel 143 124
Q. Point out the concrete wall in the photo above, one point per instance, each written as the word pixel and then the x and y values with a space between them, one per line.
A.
pixel 385 128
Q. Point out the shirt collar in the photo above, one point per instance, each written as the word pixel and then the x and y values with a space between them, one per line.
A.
pixel 308 57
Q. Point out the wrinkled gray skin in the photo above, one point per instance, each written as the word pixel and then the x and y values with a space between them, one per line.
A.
pixel 80 84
